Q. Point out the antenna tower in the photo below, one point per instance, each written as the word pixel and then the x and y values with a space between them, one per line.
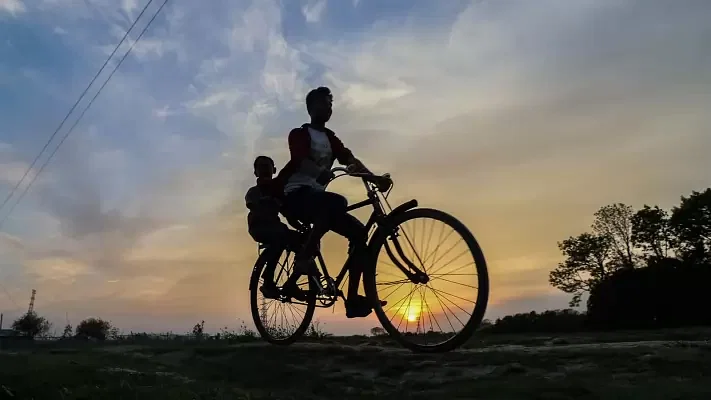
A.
pixel 32 302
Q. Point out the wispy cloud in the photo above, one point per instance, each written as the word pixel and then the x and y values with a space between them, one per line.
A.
pixel 12 7
pixel 314 10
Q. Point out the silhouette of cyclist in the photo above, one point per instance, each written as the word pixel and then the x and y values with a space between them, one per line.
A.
pixel 314 148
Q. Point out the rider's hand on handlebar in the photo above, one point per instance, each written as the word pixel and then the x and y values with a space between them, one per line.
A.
pixel 384 183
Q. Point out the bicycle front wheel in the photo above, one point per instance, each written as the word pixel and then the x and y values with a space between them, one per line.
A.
pixel 443 313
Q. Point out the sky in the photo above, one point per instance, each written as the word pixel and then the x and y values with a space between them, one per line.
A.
pixel 520 118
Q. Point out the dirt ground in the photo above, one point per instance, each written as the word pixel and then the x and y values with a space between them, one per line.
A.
pixel 553 369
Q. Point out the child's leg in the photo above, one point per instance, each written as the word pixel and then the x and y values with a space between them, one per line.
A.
pixel 274 252
pixel 277 239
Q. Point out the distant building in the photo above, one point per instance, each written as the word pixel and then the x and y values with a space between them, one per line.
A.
pixel 8 333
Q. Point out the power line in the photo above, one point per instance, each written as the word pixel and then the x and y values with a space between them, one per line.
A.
pixel 27 188
pixel 12 192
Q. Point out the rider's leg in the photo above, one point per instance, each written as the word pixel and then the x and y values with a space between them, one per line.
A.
pixel 276 238
pixel 269 288
pixel 318 208
pixel 350 227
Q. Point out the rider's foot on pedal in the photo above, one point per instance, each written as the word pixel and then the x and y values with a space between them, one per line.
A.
pixel 359 306
pixel 307 267
pixel 294 291
pixel 269 290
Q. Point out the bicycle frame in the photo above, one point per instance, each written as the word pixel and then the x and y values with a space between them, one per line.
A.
pixel 377 217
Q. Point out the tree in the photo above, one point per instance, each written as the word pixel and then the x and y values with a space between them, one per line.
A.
pixel 691 223
pixel 651 232
pixel 377 331
pixel 589 258
pixel 199 330
pixel 96 328
pixel 615 223
pixel 32 325
pixel 67 331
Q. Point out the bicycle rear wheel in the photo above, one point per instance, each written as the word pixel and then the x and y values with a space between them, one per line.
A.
pixel 416 311
pixel 279 321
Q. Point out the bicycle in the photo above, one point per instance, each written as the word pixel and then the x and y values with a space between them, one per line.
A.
pixel 385 230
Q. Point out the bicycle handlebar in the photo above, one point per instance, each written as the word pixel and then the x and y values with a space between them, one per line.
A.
pixel 366 177
pixel 357 174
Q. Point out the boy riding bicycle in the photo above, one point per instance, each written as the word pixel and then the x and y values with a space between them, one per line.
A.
pixel 313 149
pixel 264 225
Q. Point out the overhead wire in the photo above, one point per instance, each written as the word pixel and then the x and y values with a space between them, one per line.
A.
pixel 34 178
pixel 71 110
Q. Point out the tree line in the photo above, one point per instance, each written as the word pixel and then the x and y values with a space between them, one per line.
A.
pixel 32 325
pixel 645 268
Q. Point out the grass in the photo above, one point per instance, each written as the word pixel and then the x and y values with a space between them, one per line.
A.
pixel 358 368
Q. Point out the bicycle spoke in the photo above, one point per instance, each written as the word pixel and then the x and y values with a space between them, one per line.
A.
pixel 450 301
pixel 465 251
pixel 456 283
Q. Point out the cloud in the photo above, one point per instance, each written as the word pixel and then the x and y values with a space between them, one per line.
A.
pixel 313 11
pixel 13 7
pixel 518 118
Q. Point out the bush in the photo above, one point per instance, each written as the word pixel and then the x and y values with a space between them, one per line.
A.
pixel 96 328
pixel 552 321
pixel 315 332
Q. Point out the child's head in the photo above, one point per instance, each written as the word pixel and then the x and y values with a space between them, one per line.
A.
pixel 264 167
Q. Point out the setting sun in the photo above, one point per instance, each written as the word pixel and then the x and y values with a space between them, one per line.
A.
pixel 413 312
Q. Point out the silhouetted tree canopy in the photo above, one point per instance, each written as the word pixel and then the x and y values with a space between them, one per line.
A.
pixel 644 268
pixel 614 223
pixel 32 325
pixel 651 233
pixel 691 223
pixel 588 259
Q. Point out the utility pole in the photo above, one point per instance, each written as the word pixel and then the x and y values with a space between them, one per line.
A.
pixel 1 321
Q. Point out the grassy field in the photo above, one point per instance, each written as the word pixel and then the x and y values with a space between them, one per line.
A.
pixel 666 365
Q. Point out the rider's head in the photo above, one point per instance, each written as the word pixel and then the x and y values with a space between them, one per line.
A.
pixel 264 167
pixel 319 103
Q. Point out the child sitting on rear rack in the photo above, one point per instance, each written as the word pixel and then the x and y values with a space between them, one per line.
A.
pixel 263 222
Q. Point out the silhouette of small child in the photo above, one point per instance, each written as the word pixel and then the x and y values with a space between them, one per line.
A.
pixel 264 224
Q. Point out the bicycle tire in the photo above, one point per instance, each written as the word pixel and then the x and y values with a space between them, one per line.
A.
pixel 253 297
pixel 369 281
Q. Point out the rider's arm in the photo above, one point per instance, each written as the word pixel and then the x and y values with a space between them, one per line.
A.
pixel 345 156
